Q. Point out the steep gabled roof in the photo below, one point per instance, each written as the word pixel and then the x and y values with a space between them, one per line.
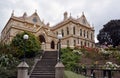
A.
pixel 82 20
pixel 34 18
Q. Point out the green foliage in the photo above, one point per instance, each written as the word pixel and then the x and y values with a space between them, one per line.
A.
pixel 8 66
pixel 4 48
pixel 7 60
pixel 30 46
pixel 110 33
pixel 69 58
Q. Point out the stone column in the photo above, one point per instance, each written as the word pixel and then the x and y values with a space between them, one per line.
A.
pixel 59 70
pixel 23 70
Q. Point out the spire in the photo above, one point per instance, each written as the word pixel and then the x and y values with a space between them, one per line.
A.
pixel 25 14
pixel 12 14
pixel 83 14
pixel 35 10
pixel 70 14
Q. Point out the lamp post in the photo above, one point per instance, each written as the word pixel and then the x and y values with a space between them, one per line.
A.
pixel 25 37
pixel 59 36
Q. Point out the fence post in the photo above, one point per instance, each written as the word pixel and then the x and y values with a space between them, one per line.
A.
pixel 59 70
pixel 23 70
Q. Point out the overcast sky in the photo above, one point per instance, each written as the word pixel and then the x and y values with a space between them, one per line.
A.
pixel 97 12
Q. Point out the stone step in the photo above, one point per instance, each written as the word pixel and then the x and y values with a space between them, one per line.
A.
pixel 42 76
pixel 45 68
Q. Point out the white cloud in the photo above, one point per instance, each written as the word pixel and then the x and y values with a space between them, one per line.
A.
pixel 98 12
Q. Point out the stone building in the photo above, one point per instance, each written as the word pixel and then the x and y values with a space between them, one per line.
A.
pixel 75 31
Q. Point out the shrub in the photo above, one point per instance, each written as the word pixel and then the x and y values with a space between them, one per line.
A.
pixel 69 58
pixel 30 46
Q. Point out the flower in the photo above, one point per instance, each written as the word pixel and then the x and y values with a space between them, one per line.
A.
pixel 110 65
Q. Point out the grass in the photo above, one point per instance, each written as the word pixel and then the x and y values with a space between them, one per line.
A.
pixel 70 74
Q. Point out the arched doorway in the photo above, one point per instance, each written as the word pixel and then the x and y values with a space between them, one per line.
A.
pixel 52 45
pixel 42 39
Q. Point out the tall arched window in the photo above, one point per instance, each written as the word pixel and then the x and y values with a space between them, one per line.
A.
pixel 87 34
pixel 42 39
pixel 67 43
pixel 52 45
pixel 62 32
pixel 81 43
pixel 56 33
pixel 84 33
pixel 74 42
pixel 80 32
pixel 74 30
pixel 67 31
pixel 91 36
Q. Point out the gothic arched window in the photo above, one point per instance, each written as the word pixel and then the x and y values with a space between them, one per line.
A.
pixel 80 32
pixel 62 32
pixel 67 31
pixel 74 30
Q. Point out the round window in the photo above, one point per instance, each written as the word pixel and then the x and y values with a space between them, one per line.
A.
pixel 34 19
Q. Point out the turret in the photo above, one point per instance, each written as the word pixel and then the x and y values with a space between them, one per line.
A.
pixel 65 15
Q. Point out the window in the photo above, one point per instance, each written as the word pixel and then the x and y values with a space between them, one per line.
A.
pixel 56 33
pixel 87 34
pixel 67 43
pixel 80 32
pixel 74 42
pixel 84 33
pixel 81 43
pixel 85 43
pixel 34 19
pixel 88 44
pixel 91 36
pixel 74 30
pixel 62 32
pixel 67 31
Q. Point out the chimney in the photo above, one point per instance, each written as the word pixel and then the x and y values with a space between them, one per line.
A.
pixel 65 15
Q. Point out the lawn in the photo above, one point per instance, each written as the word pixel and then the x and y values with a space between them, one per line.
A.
pixel 70 74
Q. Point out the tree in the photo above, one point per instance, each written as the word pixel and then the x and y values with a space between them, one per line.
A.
pixel 30 46
pixel 110 33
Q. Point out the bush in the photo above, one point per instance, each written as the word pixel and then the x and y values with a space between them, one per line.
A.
pixel 8 65
pixel 69 58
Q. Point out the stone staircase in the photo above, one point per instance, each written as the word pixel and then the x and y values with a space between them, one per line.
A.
pixel 45 68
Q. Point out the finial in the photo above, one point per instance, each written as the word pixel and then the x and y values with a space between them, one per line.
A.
pixel 82 13
pixel 12 14
pixel 35 10
pixel 70 14
pixel 25 14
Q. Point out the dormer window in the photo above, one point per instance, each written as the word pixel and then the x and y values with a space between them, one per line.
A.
pixel 34 19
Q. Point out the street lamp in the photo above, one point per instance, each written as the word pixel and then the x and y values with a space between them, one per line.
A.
pixel 59 36
pixel 25 37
